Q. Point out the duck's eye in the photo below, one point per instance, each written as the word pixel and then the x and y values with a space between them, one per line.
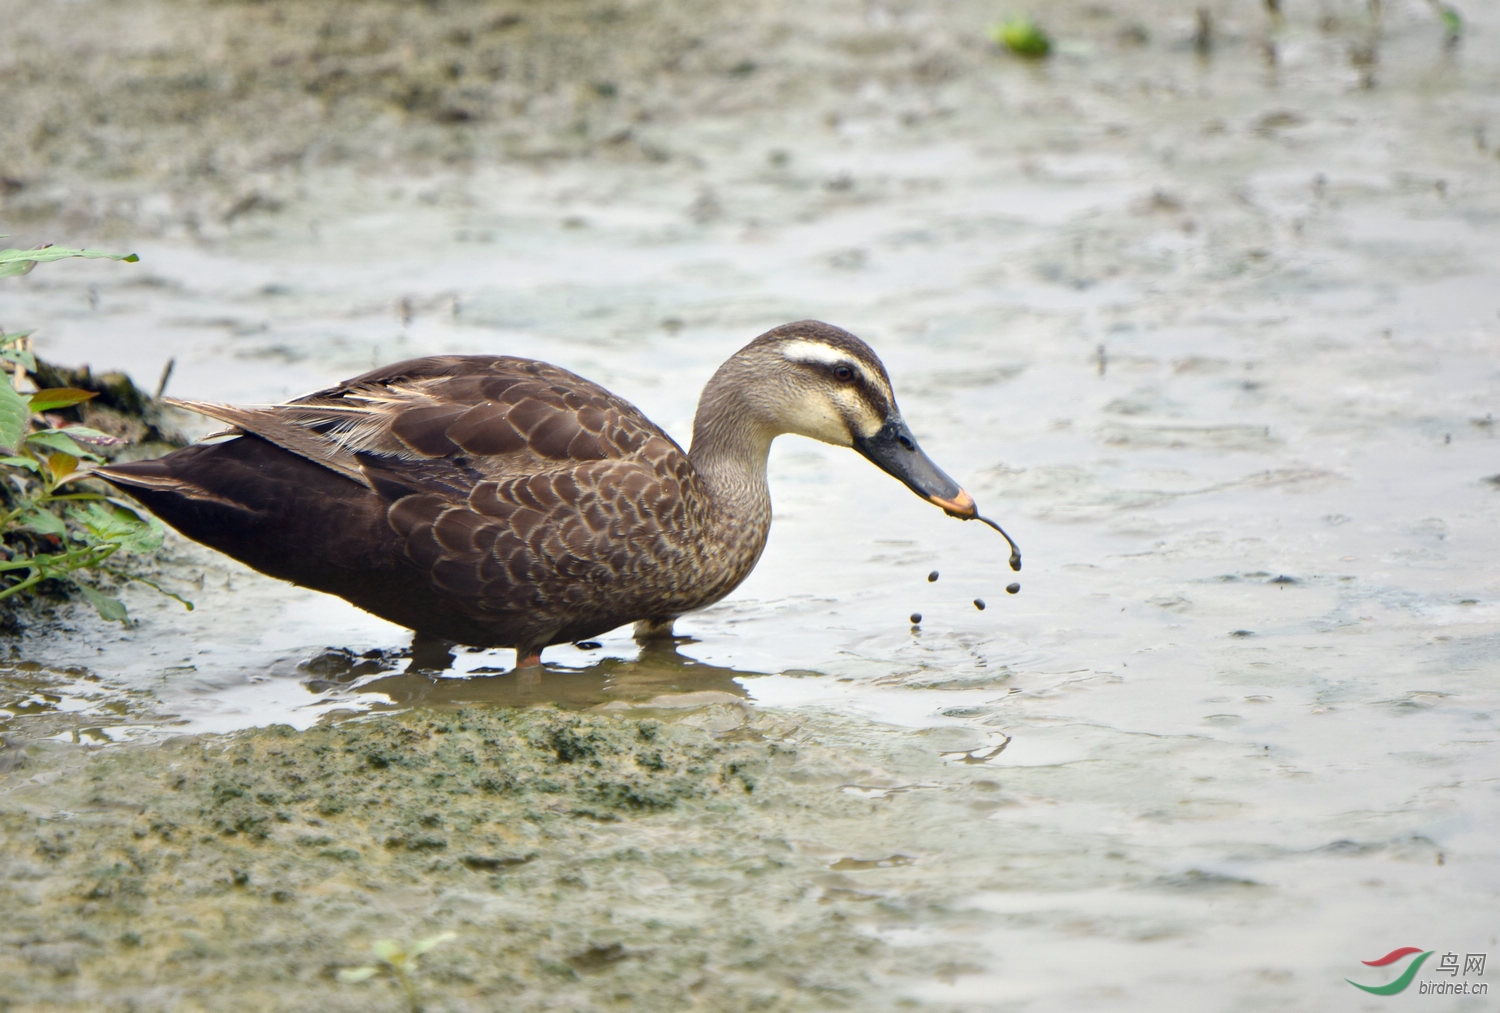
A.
pixel 843 374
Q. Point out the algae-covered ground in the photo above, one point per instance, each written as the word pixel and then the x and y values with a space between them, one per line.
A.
pixel 1202 307
pixel 581 862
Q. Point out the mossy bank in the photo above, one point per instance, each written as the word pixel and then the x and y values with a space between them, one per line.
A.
pixel 582 862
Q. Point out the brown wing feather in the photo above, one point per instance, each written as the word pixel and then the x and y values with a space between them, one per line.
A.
pixel 496 407
pixel 416 420
pixel 271 425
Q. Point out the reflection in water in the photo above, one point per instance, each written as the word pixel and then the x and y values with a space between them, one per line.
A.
pixel 69 704
pixel 659 676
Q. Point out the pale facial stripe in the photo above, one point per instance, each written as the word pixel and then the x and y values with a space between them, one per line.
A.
pixel 806 350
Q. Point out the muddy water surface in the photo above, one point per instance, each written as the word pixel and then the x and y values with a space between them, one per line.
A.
pixel 1216 335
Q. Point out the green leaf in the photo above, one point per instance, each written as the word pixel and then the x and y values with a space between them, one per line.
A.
pixel 59 397
pixel 15 416
pixel 11 352
pixel 389 950
pixel 153 585
pixel 421 946
pixel 29 463
pixel 110 609
pixel 1023 37
pixel 358 973
pixel 56 439
pixel 44 522
pixel 89 435
pixel 13 262
pixel 61 466
pixel 110 522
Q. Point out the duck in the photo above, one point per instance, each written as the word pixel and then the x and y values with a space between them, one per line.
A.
pixel 497 501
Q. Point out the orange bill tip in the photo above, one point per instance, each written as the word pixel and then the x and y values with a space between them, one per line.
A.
pixel 961 505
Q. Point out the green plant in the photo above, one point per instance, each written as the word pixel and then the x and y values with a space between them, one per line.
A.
pixel 400 962
pixel 1453 21
pixel 51 528
pixel 1023 37
pixel 13 262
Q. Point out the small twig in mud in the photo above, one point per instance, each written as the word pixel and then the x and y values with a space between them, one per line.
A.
pixel 1203 33
pixel 166 374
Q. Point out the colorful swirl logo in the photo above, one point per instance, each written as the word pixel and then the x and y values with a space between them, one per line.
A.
pixel 1390 958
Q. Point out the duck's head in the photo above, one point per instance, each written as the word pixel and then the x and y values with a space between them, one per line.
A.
pixel 816 380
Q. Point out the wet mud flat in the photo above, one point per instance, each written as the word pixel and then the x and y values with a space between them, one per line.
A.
pixel 586 862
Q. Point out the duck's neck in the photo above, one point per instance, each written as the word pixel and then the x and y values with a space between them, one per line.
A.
pixel 729 450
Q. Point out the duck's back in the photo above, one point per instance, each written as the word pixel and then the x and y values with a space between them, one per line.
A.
pixel 520 414
pixel 487 500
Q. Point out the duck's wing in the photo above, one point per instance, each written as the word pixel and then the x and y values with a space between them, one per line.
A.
pixel 274 425
pixel 588 540
pixel 518 487
pixel 450 421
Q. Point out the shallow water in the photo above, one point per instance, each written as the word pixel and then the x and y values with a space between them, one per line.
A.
pixel 1216 343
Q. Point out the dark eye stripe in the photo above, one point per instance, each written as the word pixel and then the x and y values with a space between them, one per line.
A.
pixel 864 378
pixel 870 394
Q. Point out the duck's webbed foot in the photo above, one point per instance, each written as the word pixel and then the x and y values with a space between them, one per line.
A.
pixel 654 631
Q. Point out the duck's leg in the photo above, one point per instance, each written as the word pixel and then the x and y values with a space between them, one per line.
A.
pixel 430 653
pixel 532 658
pixel 648 631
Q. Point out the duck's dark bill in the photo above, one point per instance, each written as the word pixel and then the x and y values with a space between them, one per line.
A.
pixel 894 450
